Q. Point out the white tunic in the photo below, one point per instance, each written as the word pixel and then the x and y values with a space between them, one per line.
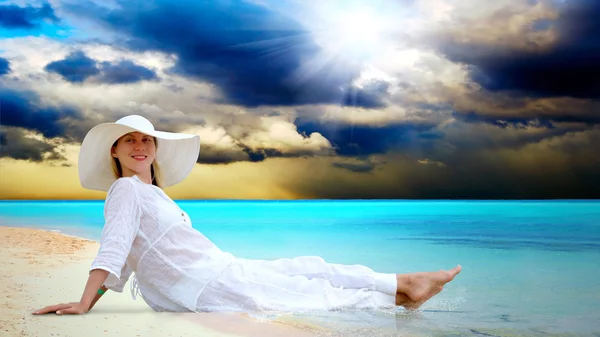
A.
pixel 178 269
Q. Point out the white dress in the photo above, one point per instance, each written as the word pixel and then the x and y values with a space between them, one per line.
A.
pixel 178 269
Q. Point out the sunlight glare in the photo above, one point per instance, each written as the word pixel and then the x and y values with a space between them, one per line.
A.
pixel 354 33
pixel 361 26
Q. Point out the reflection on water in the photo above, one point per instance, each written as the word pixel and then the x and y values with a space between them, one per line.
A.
pixel 425 323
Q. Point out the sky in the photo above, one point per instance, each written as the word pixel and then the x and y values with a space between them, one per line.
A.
pixel 310 99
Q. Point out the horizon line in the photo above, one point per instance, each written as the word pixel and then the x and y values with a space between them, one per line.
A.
pixel 320 199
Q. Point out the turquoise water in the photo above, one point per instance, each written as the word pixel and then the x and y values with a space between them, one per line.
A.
pixel 529 267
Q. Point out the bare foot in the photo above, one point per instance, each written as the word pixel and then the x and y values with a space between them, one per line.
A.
pixel 416 288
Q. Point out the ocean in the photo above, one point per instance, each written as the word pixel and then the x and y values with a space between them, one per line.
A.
pixel 530 268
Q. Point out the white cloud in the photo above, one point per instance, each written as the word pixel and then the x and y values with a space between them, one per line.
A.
pixel 283 135
pixel 216 137
pixel 506 23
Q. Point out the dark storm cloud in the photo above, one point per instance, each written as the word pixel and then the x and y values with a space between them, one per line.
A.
pixel 125 72
pixel 208 155
pixel 364 140
pixel 75 68
pixel 517 111
pixel 568 68
pixel 257 155
pixel 4 66
pixel 24 109
pixel 253 54
pixel 78 67
pixel 501 121
pixel 14 144
pixel 523 122
pixel 15 17
pixel 242 152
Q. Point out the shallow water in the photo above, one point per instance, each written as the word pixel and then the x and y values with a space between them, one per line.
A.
pixel 529 268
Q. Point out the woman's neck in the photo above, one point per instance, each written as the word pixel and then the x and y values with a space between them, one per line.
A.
pixel 144 176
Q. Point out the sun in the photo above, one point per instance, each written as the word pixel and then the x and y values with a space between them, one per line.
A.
pixel 353 32
pixel 357 27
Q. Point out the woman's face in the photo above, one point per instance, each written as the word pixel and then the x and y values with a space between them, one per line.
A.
pixel 136 152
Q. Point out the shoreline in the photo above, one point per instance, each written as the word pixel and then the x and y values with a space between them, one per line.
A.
pixel 42 267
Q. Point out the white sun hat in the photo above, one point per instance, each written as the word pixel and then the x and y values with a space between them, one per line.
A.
pixel 176 153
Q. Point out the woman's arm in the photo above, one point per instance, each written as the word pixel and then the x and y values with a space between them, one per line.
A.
pixel 88 299
pixel 122 213
pixel 95 281
pixel 98 296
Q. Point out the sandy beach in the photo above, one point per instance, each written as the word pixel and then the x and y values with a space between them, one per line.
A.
pixel 42 268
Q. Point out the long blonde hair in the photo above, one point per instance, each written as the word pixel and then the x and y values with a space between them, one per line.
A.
pixel 155 171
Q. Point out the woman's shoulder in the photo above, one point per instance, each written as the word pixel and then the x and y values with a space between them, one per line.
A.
pixel 124 181
pixel 122 185
pixel 122 197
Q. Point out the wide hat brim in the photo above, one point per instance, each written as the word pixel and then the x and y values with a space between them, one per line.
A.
pixel 176 154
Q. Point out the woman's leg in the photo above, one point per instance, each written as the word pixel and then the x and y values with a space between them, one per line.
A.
pixel 338 275
pixel 247 286
pixel 410 290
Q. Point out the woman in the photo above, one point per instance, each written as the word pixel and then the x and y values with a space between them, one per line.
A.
pixel 177 268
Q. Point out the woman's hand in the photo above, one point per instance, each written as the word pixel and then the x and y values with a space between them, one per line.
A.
pixel 73 308
pixel 88 299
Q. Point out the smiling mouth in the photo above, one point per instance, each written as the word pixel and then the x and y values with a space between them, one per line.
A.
pixel 139 158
